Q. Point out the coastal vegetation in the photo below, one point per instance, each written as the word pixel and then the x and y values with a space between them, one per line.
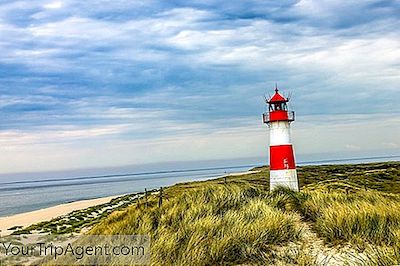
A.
pixel 230 224
pixel 343 215
pixel 79 220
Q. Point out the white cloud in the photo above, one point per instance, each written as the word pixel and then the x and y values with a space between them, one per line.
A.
pixel 53 5
pixel 145 81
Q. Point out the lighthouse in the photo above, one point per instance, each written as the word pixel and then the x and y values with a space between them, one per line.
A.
pixel 281 155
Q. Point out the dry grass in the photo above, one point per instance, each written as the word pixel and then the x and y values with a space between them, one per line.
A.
pixel 211 223
pixel 363 217
pixel 214 225
pixel 242 223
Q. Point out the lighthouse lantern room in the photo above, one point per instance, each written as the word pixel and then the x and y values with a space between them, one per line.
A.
pixel 281 154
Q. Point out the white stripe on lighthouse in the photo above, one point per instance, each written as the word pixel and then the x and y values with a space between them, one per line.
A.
pixel 279 133
pixel 287 178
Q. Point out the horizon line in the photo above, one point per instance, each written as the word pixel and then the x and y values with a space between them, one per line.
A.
pixel 187 170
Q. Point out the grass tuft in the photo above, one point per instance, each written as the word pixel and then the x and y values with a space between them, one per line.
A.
pixel 363 217
pixel 213 225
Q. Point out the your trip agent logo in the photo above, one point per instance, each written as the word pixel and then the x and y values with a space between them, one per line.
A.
pixel 85 250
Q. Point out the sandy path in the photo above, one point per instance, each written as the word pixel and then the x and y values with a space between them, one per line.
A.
pixel 340 255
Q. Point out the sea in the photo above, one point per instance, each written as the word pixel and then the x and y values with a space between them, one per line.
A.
pixel 32 191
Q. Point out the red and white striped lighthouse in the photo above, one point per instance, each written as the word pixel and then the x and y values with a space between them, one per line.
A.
pixel 281 155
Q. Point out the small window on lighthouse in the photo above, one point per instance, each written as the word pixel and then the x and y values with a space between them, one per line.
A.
pixel 280 106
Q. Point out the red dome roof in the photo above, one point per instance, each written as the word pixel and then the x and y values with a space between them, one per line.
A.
pixel 277 98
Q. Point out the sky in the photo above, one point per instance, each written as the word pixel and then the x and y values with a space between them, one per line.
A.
pixel 107 83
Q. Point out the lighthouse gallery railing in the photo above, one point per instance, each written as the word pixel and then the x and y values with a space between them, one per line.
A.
pixel 267 118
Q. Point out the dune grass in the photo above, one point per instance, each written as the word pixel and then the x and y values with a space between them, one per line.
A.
pixel 212 225
pixel 240 222
pixel 243 224
pixel 362 217
pixel 382 255
pixel 368 221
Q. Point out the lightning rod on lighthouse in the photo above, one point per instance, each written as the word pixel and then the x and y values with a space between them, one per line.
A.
pixel 281 154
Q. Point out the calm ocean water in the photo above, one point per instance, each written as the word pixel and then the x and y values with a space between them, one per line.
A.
pixel 21 194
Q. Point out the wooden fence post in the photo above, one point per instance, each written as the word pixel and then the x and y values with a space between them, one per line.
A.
pixel 225 179
pixel 145 196
pixel 160 197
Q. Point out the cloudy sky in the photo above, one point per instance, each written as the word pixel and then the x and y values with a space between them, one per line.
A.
pixel 107 83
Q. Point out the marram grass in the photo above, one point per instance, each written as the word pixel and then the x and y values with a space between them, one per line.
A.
pixel 362 217
pixel 240 224
pixel 344 215
pixel 214 225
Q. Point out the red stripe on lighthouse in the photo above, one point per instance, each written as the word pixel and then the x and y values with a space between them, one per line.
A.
pixel 278 116
pixel 281 157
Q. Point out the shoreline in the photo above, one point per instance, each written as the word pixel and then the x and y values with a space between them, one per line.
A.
pixel 33 217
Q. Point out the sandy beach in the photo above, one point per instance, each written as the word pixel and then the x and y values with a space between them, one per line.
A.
pixel 28 218
pixel 242 173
